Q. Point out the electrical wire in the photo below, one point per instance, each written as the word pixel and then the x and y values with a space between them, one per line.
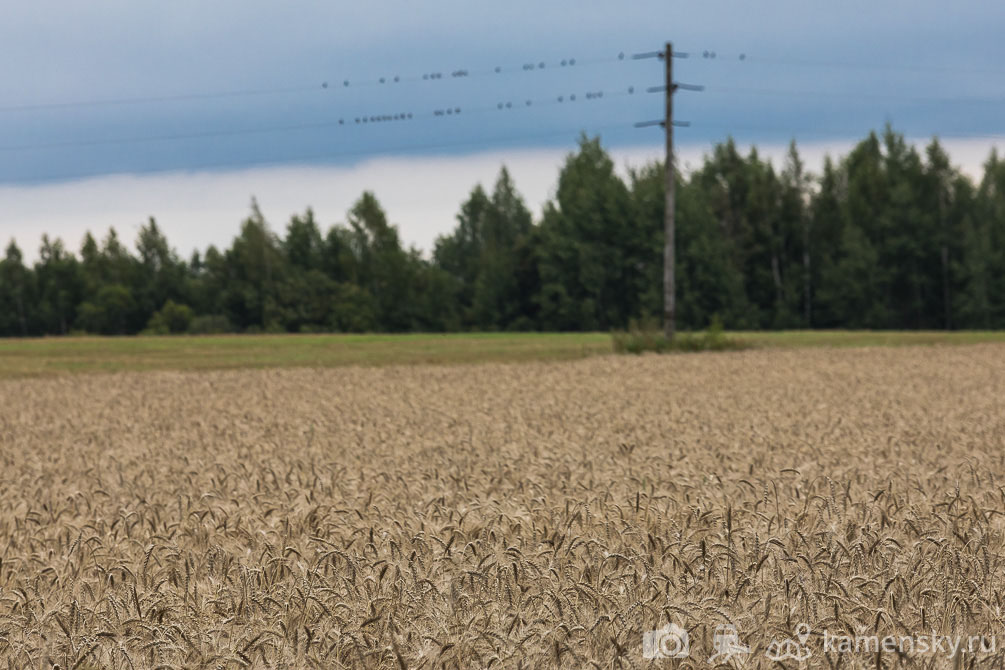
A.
pixel 325 86
pixel 504 104
pixel 344 122
pixel 743 57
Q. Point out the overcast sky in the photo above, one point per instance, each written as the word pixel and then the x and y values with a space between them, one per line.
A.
pixel 114 110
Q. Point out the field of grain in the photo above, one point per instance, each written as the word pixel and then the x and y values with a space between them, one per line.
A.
pixel 528 515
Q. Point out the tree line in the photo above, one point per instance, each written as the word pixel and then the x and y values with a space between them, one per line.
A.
pixel 886 237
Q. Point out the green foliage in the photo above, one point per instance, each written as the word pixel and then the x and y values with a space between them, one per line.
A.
pixel 642 336
pixel 354 310
pixel 587 247
pixel 111 312
pixel 646 336
pixel 488 259
pixel 171 319
pixel 888 236
pixel 16 292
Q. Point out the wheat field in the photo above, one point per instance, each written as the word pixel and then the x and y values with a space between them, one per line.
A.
pixel 505 515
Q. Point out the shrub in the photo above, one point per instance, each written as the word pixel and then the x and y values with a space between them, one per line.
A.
pixel 647 335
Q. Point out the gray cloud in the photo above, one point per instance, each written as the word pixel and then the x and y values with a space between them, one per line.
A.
pixel 813 72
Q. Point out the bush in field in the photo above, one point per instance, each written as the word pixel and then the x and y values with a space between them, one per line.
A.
pixel 647 335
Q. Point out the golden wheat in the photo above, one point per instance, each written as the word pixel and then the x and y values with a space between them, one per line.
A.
pixel 533 515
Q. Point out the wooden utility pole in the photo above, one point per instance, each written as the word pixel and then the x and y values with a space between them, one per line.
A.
pixel 669 256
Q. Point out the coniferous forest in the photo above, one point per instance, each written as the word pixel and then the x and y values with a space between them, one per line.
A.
pixel 887 237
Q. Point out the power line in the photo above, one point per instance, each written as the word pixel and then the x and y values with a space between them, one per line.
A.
pixel 463 72
pixel 329 86
pixel 503 104
pixel 180 97
pixel 454 110
pixel 742 57
pixel 344 122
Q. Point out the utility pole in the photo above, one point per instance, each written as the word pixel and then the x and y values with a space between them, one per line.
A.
pixel 669 255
